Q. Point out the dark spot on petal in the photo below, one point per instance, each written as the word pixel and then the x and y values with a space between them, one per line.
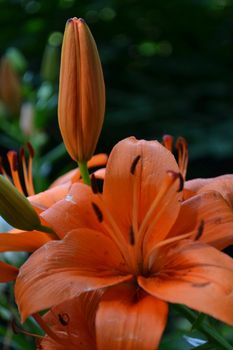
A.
pixel 64 319
pixel 134 164
pixel 200 285
pixel 94 185
pixel 131 236
pixel 200 230
pixel 97 211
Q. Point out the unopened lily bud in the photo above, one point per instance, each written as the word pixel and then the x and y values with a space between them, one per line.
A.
pixel 81 92
pixel 16 209
pixel 10 90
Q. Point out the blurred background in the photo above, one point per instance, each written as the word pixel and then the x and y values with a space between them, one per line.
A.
pixel 168 68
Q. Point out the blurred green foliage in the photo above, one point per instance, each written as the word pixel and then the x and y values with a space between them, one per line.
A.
pixel 168 67
pixel 167 64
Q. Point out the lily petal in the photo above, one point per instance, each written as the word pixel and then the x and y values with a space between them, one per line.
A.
pixel 211 208
pixel 60 270
pixel 198 276
pixel 74 211
pixel 129 320
pixel 74 323
pixel 8 272
pixel 134 174
pixel 49 197
pixel 24 241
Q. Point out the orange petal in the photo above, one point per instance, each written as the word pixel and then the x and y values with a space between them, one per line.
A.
pixel 60 270
pixel 7 272
pixel 73 322
pixel 47 198
pixel 25 241
pixel 198 276
pixel 74 211
pixel 74 175
pixel 129 319
pixel 154 160
pixel 222 184
pixel 66 178
pixel 213 209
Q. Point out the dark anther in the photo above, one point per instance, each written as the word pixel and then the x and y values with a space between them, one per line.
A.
pixel 131 236
pixel 94 185
pixel 134 164
pixel 21 153
pixel 97 211
pixel 64 319
pixel 30 149
pixel 15 163
pixel 200 230
pixel 181 186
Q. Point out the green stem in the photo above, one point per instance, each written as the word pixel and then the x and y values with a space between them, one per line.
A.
pixel 47 229
pixel 84 172
pixel 215 338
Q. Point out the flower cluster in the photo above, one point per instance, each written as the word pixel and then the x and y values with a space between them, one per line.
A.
pixel 106 262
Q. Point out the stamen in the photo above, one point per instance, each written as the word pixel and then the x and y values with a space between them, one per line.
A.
pixel 97 211
pixel 94 185
pixel 64 319
pixel 168 142
pixel 180 177
pixel 134 164
pixel 13 162
pixel 30 179
pixel 46 328
pixel 182 149
pixel 131 236
pixel 200 230
pixel 25 173
pixel 167 184
pixel 3 170
pixel 19 330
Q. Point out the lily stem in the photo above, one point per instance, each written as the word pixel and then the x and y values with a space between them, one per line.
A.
pixel 213 337
pixel 84 172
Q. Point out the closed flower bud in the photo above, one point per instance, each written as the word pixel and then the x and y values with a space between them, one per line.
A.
pixel 16 209
pixel 81 93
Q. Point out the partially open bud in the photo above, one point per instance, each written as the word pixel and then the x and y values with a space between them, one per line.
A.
pixel 81 92
pixel 10 90
pixel 16 209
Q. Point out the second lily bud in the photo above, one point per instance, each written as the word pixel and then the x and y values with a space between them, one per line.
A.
pixel 81 92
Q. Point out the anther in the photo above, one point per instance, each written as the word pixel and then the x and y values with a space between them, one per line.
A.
pixel 200 230
pixel 175 176
pixel 30 149
pixel 15 163
pixel 19 330
pixel 97 211
pixel 21 153
pixel 64 319
pixel 131 236
pixel 134 164
pixel 94 185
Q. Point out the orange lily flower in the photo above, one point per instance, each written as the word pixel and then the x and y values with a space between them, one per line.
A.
pixel 134 242
pixel 29 241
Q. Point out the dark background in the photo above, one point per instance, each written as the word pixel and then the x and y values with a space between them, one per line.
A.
pixel 168 68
